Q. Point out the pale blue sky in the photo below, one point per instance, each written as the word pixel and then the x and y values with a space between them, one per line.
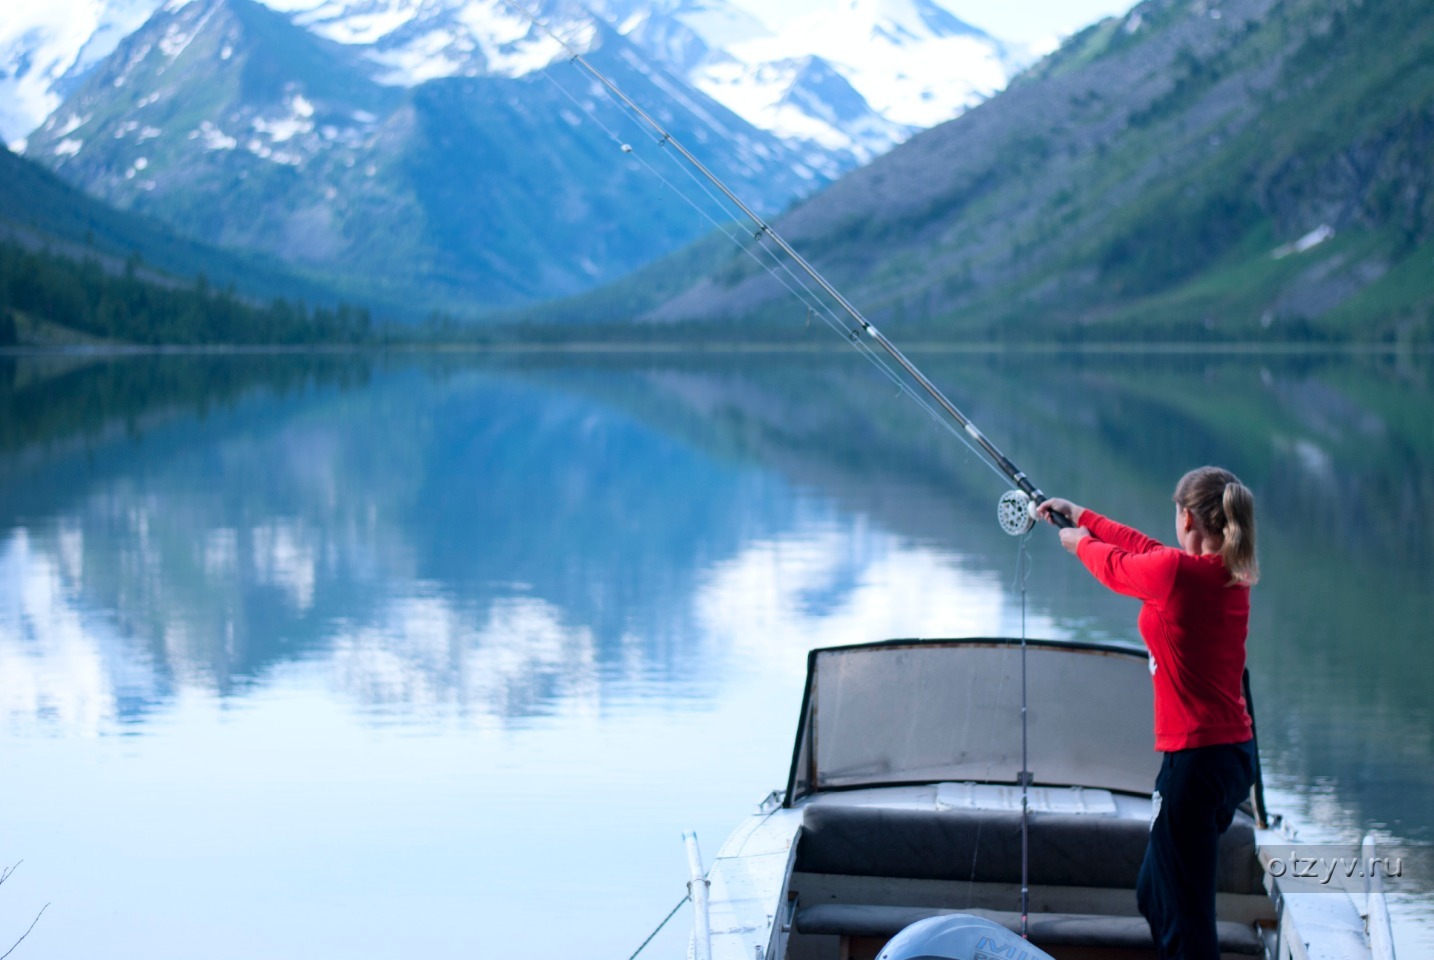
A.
pixel 1032 20
pixel 1025 21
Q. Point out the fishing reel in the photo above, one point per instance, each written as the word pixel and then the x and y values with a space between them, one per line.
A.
pixel 1016 512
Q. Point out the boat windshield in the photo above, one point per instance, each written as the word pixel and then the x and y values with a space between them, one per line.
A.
pixel 932 711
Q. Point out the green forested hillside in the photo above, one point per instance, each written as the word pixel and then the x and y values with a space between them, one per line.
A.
pixel 38 209
pixel 41 292
pixel 72 268
pixel 1249 169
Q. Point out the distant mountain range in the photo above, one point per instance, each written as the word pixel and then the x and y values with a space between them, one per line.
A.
pixel 229 122
pixel 444 152
pixel 1195 169
pixel 851 81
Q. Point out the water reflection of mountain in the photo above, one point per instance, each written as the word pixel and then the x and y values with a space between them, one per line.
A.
pixel 1340 450
pixel 509 538
pixel 79 436
pixel 445 538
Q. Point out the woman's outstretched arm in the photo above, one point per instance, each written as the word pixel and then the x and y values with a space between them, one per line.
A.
pixel 1103 528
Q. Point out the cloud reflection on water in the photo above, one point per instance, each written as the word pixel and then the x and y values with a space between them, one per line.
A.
pixel 63 668
pixel 421 651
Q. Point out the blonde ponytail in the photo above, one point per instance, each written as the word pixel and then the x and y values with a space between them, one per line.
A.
pixel 1223 507
pixel 1238 550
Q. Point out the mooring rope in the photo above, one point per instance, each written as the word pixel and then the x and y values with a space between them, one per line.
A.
pixel 658 930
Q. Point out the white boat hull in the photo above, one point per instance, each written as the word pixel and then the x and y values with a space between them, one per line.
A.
pixel 826 871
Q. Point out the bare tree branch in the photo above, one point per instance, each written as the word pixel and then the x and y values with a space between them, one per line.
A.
pixel 26 933
pixel 5 873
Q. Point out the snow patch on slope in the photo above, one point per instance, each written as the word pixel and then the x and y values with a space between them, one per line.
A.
pixel 913 63
pixel 421 40
pixel 212 137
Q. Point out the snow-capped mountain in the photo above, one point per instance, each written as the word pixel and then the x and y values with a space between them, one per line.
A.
pixel 854 79
pixel 44 50
pixel 444 148
pixel 684 34
pixel 846 83
pixel 438 179
pixel 912 60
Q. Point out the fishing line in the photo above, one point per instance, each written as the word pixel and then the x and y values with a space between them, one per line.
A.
pixel 990 766
pixel 721 226
pixel 1023 573
pixel 815 305
pixel 802 292
pixel 1015 508
pixel 982 445
pixel 1018 584
pixel 811 300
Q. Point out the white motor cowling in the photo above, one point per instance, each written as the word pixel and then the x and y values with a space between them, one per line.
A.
pixel 959 936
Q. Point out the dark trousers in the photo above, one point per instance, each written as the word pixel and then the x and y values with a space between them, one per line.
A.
pixel 1197 792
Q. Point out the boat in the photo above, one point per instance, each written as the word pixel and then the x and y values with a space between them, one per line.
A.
pixel 918 807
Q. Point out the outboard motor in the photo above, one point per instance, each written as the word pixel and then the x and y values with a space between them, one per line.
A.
pixel 959 936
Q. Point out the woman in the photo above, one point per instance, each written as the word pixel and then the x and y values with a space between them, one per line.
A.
pixel 1194 620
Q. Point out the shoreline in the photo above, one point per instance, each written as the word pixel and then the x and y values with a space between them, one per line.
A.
pixel 710 347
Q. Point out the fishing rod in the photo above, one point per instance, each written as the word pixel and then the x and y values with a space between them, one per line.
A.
pixel 1016 509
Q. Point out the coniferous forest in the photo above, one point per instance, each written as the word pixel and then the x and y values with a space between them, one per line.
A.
pixel 123 306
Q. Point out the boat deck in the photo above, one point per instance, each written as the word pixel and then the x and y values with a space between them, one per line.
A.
pixel 900 805
pixel 862 865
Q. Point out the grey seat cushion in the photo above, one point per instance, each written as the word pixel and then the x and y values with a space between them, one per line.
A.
pixel 985 846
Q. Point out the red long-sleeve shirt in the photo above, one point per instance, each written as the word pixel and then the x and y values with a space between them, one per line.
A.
pixel 1194 624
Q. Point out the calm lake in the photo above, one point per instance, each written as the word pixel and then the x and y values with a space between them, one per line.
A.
pixel 437 656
